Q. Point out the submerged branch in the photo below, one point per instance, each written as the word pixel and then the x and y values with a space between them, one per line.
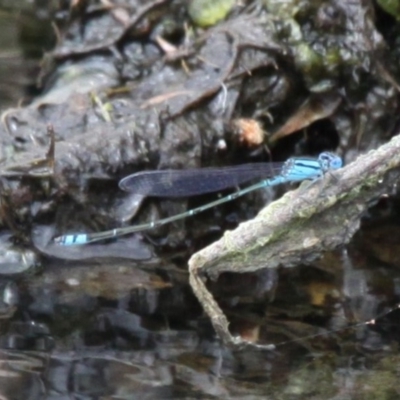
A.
pixel 297 228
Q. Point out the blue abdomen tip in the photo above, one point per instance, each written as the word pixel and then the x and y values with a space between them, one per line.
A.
pixel 70 240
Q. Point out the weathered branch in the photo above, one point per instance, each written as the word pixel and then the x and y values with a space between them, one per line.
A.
pixel 298 227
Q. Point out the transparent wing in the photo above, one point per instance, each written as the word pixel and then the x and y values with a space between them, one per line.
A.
pixel 191 182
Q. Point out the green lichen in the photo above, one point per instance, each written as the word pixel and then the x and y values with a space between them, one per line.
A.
pixel 208 12
pixel 392 7
pixel 307 60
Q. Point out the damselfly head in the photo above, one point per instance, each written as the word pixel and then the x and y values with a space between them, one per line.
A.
pixel 330 161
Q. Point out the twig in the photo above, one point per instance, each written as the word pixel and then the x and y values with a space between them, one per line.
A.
pixel 61 53
pixel 297 228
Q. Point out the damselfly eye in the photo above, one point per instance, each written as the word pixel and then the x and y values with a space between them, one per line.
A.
pixel 336 163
